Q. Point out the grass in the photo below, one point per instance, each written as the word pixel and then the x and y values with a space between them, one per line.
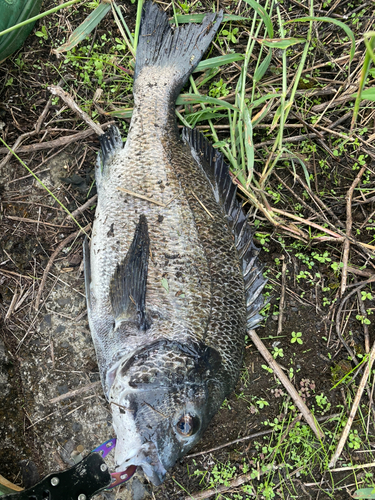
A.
pixel 269 78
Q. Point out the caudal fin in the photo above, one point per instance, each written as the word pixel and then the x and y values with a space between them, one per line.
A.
pixel 180 48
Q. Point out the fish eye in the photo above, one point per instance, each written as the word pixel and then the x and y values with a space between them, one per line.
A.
pixel 187 425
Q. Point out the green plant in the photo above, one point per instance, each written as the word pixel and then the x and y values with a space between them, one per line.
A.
pixel 230 34
pixel 296 337
pixel 278 352
pixel 43 33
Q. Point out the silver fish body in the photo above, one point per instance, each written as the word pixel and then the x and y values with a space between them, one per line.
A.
pixel 172 280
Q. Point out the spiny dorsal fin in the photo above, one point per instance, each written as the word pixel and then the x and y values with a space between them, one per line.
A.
pixel 110 142
pixel 128 284
pixel 217 172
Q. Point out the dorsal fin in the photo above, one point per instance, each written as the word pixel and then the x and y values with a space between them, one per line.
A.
pixel 128 284
pixel 217 172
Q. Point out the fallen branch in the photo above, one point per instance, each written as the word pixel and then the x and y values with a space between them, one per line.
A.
pixel 309 417
pixel 68 99
pixel 56 143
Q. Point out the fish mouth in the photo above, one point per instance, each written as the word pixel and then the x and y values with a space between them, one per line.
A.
pixel 147 458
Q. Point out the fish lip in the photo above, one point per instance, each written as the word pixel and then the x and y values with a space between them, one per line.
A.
pixel 155 472
pixel 146 457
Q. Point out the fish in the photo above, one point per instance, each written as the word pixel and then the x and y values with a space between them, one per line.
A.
pixel 172 275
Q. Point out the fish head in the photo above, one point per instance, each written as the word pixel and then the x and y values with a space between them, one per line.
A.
pixel 162 401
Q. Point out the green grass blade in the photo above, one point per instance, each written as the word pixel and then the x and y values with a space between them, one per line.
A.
pixel 121 113
pixel 342 25
pixel 203 99
pixel 369 56
pixel 138 23
pixel 249 145
pixel 280 43
pixel 198 18
pixel 263 14
pixel 85 28
pixel 262 68
pixel 263 99
pixel 214 62
pixel 121 17
pixel 304 168
pixel 39 16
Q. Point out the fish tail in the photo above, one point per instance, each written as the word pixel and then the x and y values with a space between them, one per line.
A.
pixel 180 48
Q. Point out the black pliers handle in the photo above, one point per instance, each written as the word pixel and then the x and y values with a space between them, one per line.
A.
pixel 80 482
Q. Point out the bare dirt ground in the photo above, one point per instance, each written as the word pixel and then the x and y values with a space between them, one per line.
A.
pixel 46 349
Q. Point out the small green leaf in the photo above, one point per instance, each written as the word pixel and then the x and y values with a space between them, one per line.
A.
pixel 262 68
pixel 365 493
pixel 164 284
pixel 367 94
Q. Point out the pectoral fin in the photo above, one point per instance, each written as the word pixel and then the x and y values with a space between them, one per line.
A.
pixel 128 284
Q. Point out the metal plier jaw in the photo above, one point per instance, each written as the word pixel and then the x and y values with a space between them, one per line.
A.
pixel 81 482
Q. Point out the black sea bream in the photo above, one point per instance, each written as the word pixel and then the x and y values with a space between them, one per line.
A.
pixel 172 279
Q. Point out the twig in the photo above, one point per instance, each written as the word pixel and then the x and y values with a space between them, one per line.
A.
pixel 338 316
pixel 83 207
pixel 56 143
pixel 33 221
pixel 67 240
pixel 349 223
pixel 319 203
pixel 41 118
pixel 239 440
pixel 252 436
pixel 56 90
pixel 282 298
pixel 286 383
pixel 14 147
pixel 353 411
pixel 338 236
pixel 75 392
pixel 354 467
pixel 308 222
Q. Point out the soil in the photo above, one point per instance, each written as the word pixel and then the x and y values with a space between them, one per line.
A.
pixel 48 352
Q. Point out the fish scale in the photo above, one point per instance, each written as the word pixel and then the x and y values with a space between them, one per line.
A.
pixel 172 277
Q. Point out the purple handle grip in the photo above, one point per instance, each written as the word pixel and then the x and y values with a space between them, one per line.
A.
pixel 117 477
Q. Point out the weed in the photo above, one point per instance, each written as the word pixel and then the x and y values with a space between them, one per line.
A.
pixel 296 337
pixel 218 89
pixel 278 352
